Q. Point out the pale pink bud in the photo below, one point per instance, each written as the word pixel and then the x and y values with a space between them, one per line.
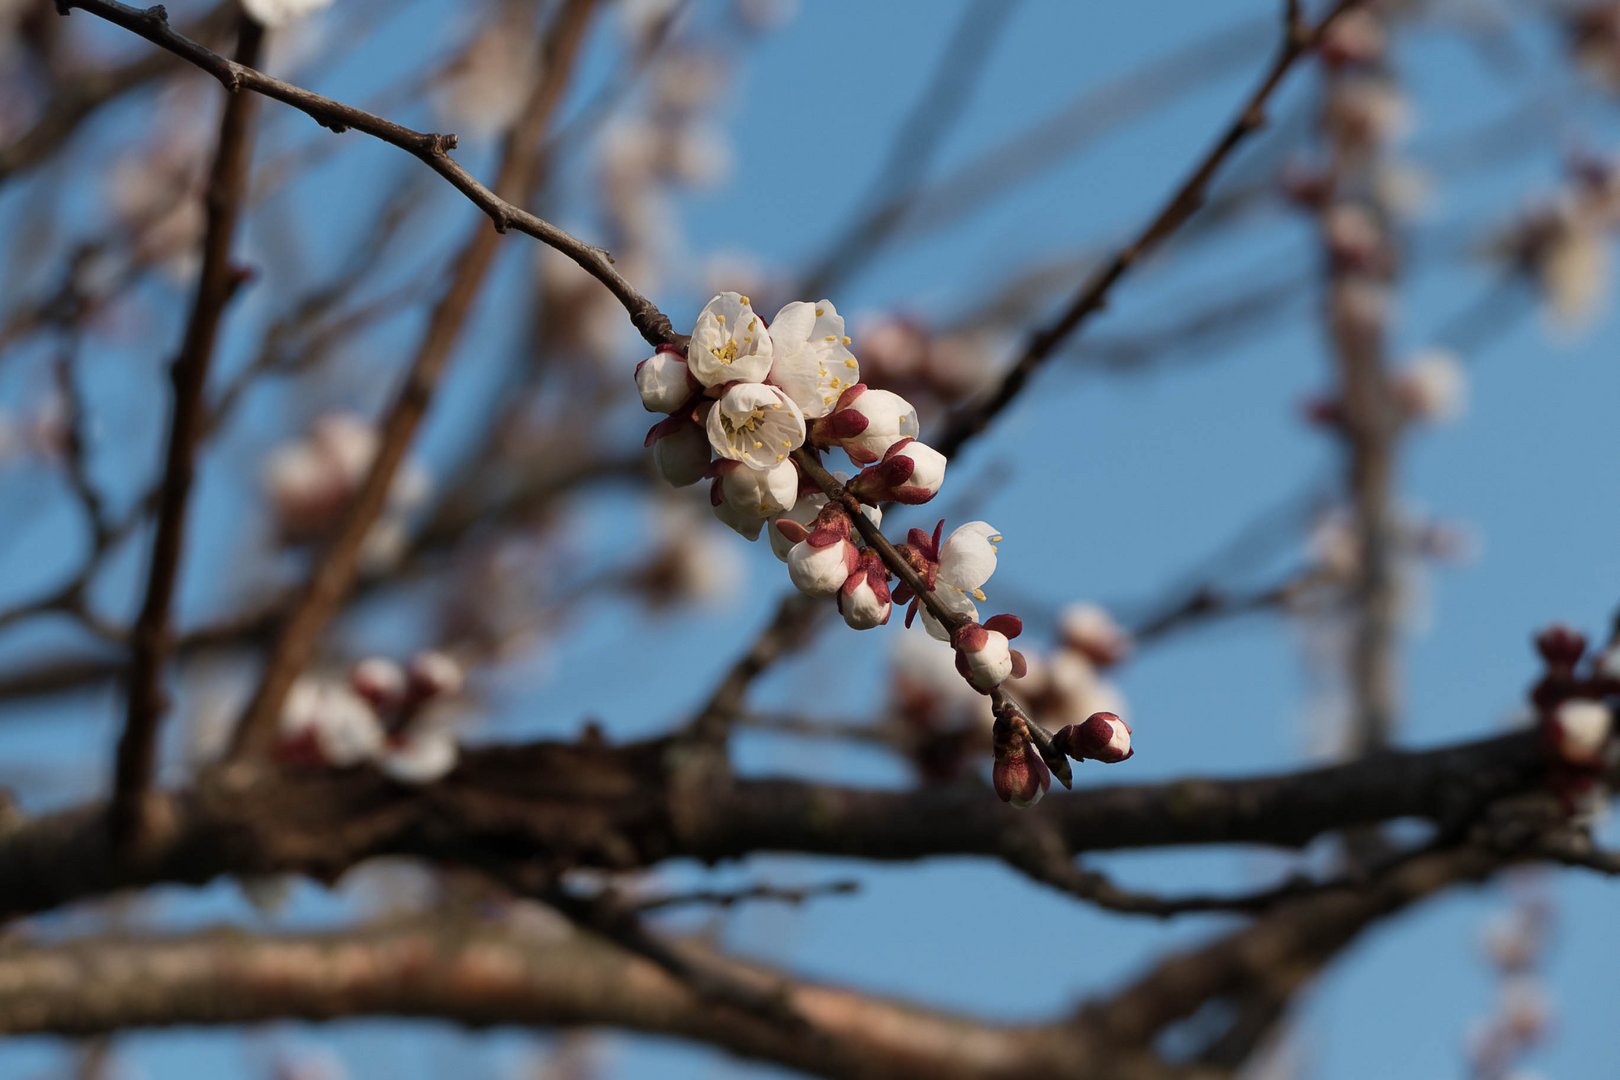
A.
pixel 865 423
pixel 864 600
pixel 680 450
pixel 664 381
pixel 910 472
pixel 1579 730
pixel 419 757
pixel 820 564
pixel 1102 736
pixel 1091 631
pixel 983 656
pixel 379 680
pixel 1433 388
pixel 435 674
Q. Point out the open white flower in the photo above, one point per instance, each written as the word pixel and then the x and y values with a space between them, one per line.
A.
pixel 812 362
pixel 967 558
pixel 729 343
pixel 755 424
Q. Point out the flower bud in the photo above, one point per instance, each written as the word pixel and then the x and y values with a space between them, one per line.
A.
pixel 419 757
pixel 865 423
pixel 864 600
pixel 983 656
pixel 744 497
pixel 822 560
pixel 1102 736
pixel 1434 388
pixel 1561 646
pixel 910 472
pixel 434 674
pixel 680 450
pixel 1019 775
pixel 1579 731
pixel 378 680
pixel 664 381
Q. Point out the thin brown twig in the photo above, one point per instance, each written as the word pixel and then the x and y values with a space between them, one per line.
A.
pixel 432 149
pixel 1183 202
pixel 150 638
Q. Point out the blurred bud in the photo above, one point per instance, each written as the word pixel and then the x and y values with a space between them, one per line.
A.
pixel 1579 731
pixel 1561 646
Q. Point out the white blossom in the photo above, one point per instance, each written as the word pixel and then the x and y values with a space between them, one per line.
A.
pixel 812 358
pixel 729 343
pixel 967 558
pixel 755 424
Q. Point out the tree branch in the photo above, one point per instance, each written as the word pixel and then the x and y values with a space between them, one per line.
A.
pixel 150 641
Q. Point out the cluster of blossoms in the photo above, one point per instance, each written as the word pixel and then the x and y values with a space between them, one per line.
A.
pixel 1561 244
pixel 752 406
pixel 385 715
pixel 1574 701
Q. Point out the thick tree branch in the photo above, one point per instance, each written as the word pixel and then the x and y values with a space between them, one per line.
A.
pixel 630 806
pixel 508 970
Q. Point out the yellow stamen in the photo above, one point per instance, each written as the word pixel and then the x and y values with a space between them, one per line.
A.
pixel 978 594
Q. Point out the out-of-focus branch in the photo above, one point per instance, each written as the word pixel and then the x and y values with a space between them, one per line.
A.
pixel 339 565
pixel 1180 206
pixel 75 100
pixel 216 283
pixel 432 149
pixel 511 969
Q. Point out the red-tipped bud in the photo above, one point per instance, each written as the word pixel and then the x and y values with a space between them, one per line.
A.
pixel 1102 736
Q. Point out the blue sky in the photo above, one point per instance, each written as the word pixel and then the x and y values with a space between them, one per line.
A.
pixel 1116 483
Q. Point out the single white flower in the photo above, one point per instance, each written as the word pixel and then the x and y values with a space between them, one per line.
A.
pixel 664 382
pixel 812 358
pixel 281 12
pixel 867 422
pixel 755 424
pixel 967 558
pixel 729 343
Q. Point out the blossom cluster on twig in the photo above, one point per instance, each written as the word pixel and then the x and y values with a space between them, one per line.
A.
pixel 749 403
